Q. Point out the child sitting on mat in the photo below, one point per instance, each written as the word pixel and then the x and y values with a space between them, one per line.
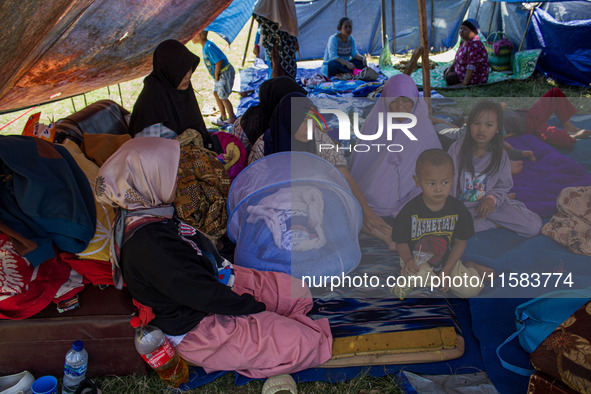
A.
pixel 432 229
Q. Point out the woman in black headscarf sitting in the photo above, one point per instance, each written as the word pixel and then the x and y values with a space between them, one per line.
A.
pixel 255 121
pixel 167 105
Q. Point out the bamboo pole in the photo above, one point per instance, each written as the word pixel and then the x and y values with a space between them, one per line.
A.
pixel 393 29
pixel 432 23
pixel 531 12
pixel 425 44
pixel 120 95
pixel 248 40
pixel 384 43
pixel 492 15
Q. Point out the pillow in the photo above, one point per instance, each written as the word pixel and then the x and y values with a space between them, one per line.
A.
pixel 98 248
pixel 99 147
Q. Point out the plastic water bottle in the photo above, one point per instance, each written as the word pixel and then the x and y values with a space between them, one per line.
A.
pixel 74 368
pixel 156 350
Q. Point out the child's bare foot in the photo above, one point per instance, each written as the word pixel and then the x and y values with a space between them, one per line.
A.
pixel 516 167
pixel 581 134
pixel 484 272
pixel 511 196
pixel 576 132
pixel 529 154
pixel 387 238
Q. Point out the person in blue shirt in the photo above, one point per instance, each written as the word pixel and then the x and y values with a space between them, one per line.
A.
pixel 223 74
pixel 261 53
pixel 341 54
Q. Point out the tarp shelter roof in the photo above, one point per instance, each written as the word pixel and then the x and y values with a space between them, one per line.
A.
pixel 62 48
pixel 229 23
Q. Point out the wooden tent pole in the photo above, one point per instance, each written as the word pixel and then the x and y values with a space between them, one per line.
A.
pixel 393 29
pixel 425 44
pixel 384 43
pixel 248 40
pixel 432 23
pixel 120 95
pixel 73 105
pixel 492 15
pixel 478 9
pixel 531 13
pixel 345 7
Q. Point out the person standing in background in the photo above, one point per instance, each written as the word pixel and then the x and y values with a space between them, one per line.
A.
pixel 222 73
pixel 278 22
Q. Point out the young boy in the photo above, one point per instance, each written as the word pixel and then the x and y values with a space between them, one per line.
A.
pixel 223 74
pixel 435 226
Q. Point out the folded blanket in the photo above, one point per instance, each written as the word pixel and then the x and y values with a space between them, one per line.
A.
pixel 541 181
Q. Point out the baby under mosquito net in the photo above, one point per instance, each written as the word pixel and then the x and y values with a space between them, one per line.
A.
pixel 294 212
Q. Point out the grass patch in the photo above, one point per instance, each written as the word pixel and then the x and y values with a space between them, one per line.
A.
pixel 151 384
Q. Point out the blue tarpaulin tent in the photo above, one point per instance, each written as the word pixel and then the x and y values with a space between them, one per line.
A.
pixel 560 28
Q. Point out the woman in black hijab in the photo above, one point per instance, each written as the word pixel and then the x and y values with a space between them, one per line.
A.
pixel 255 120
pixel 167 98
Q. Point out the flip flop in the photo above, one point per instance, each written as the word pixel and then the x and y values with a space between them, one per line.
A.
pixel 219 122
pixel 87 386
pixel 280 384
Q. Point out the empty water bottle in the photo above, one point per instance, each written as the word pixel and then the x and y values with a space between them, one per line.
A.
pixel 75 367
pixel 156 350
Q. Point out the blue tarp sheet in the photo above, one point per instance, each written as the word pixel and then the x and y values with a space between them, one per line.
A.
pixel 229 23
pixel 318 20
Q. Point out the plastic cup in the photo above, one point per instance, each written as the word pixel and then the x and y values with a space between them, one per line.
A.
pixel 45 385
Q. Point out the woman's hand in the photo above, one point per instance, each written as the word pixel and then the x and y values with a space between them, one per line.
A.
pixel 350 66
pixel 486 206
pixel 373 223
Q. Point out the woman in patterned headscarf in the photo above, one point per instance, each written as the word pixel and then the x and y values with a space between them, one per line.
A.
pixel 279 27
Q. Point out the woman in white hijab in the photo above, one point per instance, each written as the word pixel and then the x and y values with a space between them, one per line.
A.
pixel 219 316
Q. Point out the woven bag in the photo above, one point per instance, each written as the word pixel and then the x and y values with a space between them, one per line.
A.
pixel 502 61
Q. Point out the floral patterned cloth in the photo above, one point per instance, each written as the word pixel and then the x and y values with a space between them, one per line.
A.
pixel 472 56
pixel 571 226
pixel 202 191
pixel 566 353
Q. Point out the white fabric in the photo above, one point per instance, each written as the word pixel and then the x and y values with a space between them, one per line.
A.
pixel 308 199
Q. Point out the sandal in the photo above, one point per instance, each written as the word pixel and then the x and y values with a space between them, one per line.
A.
pixel 280 384
pixel 87 386
pixel 219 122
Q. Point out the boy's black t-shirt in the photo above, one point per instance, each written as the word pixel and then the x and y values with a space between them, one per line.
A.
pixel 433 232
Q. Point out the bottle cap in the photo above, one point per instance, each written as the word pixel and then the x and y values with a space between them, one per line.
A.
pixel 78 345
pixel 135 322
